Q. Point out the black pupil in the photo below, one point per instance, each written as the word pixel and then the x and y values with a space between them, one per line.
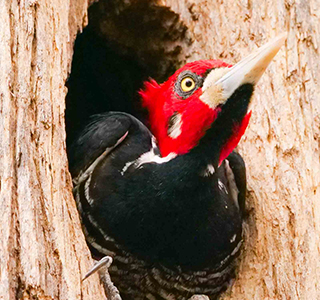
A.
pixel 188 83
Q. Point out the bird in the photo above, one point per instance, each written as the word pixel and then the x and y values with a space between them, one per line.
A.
pixel 167 202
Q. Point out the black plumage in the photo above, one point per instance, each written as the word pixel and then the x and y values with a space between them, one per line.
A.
pixel 173 228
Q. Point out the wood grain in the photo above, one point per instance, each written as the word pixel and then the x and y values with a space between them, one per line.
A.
pixel 43 251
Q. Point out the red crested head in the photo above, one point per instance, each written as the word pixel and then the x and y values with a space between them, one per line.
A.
pixel 178 116
pixel 205 94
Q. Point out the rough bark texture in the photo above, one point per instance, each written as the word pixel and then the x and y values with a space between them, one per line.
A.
pixel 42 248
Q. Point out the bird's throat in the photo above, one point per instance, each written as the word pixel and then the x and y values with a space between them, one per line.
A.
pixel 233 141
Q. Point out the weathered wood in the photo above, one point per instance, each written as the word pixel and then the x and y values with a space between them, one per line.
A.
pixel 43 252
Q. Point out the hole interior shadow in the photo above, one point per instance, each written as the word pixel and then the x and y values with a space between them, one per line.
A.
pixel 125 44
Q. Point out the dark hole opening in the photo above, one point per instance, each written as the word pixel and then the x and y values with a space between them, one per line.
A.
pixel 124 44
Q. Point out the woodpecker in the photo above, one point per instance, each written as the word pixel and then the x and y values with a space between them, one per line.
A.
pixel 167 203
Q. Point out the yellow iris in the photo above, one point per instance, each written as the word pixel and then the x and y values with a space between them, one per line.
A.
pixel 187 84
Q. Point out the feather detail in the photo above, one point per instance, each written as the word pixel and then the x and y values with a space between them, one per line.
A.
pixel 234 140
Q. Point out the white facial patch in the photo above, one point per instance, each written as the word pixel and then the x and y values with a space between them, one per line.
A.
pixel 174 126
pixel 213 77
pixel 212 93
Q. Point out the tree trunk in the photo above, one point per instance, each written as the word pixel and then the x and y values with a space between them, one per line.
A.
pixel 43 251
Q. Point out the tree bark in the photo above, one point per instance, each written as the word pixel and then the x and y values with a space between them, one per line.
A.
pixel 42 249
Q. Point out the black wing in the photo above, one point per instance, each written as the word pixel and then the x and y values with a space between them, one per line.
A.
pixel 238 168
pixel 105 132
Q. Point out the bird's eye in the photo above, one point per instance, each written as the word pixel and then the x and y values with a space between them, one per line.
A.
pixel 187 84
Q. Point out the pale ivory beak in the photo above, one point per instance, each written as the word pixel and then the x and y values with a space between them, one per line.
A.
pixel 221 84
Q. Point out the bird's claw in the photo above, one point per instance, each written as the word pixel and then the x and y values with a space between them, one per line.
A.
pixel 110 289
pixel 104 262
